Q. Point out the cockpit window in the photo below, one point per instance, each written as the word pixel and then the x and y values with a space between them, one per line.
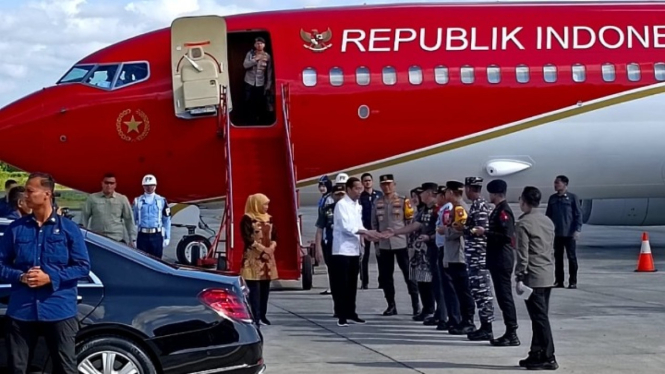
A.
pixel 102 76
pixel 76 74
pixel 108 76
pixel 132 73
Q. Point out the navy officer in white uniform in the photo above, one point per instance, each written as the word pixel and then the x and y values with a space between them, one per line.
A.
pixel 153 219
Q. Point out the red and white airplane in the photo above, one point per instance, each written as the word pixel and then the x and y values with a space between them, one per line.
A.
pixel 428 92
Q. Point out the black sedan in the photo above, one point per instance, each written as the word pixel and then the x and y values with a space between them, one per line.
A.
pixel 141 315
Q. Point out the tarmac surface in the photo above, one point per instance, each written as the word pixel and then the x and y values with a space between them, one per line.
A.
pixel 613 323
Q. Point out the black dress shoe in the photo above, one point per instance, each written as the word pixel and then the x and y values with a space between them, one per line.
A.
pixel 572 286
pixel 265 321
pixel 391 311
pixel 431 321
pixel 357 320
pixel 533 358
pixel 559 285
pixel 546 364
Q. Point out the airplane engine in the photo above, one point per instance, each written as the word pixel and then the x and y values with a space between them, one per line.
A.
pixel 624 212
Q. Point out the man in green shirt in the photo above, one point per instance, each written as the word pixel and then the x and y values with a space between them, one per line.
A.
pixel 109 213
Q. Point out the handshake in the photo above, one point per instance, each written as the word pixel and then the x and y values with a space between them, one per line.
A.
pixel 375 236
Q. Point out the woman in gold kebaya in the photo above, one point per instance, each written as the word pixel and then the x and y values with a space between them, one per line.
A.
pixel 258 263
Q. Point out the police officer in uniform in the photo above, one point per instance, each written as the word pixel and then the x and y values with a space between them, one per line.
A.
pixel 391 210
pixel 476 256
pixel 324 228
pixel 501 259
pixel 153 219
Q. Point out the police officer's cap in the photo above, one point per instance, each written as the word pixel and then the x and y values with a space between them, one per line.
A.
pixel 428 186
pixel 454 186
pixel 386 178
pixel 417 190
pixel 339 188
pixel 474 181
pixel 497 186
pixel 441 190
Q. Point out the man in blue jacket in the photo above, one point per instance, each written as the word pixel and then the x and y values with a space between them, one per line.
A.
pixel 563 208
pixel 42 255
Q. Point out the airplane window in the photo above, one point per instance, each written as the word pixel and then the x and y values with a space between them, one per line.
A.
pixel 522 73
pixel 609 72
pixel 132 72
pixel 467 74
pixel 659 71
pixel 103 76
pixel 336 77
pixel 76 74
pixel 579 73
pixel 549 73
pixel 633 71
pixel 415 75
pixel 389 76
pixel 362 76
pixel 441 74
pixel 493 74
pixel 309 77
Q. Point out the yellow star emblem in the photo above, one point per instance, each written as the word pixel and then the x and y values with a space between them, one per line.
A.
pixel 133 125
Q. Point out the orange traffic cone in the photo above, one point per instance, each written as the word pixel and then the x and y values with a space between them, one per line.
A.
pixel 645 261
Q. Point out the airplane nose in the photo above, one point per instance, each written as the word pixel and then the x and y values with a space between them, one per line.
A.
pixel 16 125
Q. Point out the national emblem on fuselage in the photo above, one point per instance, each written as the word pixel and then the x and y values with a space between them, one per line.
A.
pixel 317 42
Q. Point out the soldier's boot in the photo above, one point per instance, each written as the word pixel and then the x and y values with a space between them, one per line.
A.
pixel 391 310
pixel 533 358
pixel 509 339
pixel 483 333
pixel 415 304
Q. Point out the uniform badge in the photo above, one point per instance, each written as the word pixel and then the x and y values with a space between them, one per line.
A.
pixel 503 216
pixel 167 211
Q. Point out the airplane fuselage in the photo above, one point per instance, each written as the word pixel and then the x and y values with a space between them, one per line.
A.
pixel 430 92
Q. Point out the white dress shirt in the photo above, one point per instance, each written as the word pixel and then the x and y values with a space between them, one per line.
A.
pixel 347 221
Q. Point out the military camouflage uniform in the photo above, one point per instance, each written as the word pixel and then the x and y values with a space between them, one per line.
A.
pixel 476 256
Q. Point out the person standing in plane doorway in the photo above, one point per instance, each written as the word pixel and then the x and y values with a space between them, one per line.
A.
pixel 367 200
pixel 563 208
pixel 258 81
pixel 153 219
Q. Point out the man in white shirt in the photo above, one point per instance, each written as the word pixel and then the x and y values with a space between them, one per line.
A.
pixel 347 241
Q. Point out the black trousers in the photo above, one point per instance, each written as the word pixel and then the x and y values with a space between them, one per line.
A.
pixel 364 265
pixel 327 257
pixel 435 257
pixel 60 340
pixel 256 104
pixel 151 243
pixel 258 298
pixel 568 244
pixel 458 277
pixel 344 285
pixel 426 296
pixel 538 306
pixel 387 269
pixel 503 290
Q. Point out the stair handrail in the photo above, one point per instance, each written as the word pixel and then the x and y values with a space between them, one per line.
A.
pixel 229 174
pixel 289 154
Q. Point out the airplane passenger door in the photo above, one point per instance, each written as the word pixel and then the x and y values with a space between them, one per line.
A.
pixel 199 66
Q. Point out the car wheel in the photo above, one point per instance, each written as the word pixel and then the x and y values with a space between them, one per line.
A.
pixel 113 354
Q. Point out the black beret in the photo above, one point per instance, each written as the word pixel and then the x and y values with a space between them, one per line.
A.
pixel 429 186
pixel 455 186
pixel 497 186
pixel 386 178
pixel 474 181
